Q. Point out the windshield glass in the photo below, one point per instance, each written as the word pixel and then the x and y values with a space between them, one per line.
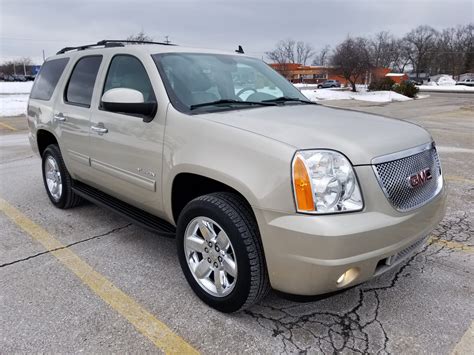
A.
pixel 198 82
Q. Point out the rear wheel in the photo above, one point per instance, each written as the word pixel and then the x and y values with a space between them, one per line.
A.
pixel 56 178
pixel 220 252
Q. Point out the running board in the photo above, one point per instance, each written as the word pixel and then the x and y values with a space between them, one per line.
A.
pixel 134 214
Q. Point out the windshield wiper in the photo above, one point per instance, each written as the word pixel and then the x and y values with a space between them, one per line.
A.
pixel 283 99
pixel 230 101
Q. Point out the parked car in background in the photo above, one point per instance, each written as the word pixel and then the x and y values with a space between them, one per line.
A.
pixel 466 82
pixel 329 84
pixel 19 77
pixel 415 81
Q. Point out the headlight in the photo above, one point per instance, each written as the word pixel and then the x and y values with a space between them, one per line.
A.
pixel 324 182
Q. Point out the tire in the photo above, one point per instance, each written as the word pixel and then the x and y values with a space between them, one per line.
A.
pixel 231 214
pixel 66 198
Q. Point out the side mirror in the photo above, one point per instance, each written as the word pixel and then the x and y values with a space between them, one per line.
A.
pixel 128 101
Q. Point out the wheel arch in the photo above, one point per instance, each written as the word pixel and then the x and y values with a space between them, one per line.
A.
pixel 45 138
pixel 186 186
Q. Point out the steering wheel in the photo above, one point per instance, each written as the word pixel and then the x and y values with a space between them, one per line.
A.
pixel 241 91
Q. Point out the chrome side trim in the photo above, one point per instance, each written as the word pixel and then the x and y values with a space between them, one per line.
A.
pixel 402 154
pixel 81 158
pixel 137 180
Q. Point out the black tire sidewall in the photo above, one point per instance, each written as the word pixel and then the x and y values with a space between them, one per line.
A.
pixel 240 293
pixel 54 152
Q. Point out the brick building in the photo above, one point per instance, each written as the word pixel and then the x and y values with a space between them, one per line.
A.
pixel 311 74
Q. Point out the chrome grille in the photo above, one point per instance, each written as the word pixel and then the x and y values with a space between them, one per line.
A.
pixel 394 178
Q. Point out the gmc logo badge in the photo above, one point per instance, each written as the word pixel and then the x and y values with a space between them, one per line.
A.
pixel 420 178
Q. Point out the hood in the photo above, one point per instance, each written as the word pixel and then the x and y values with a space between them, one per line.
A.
pixel 360 136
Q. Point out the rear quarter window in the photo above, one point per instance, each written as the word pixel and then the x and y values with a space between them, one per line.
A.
pixel 48 78
pixel 80 87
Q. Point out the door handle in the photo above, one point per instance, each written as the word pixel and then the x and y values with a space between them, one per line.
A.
pixel 60 117
pixel 100 129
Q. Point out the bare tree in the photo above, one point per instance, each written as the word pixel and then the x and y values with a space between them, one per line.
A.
pixel 452 50
pixel 322 58
pixel 140 37
pixel 383 50
pixel 17 66
pixel 290 51
pixel 420 47
pixel 401 55
pixel 352 58
pixel 304 52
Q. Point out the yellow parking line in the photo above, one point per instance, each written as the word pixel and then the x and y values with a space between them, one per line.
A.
pixel 7 126
pixel 460 179
pixel 451 245
pixel 158 332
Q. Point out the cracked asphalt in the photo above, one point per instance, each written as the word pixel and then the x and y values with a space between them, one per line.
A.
pixel 424 306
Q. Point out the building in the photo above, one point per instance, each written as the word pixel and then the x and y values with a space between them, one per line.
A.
pixel 312 74
pixel 397 77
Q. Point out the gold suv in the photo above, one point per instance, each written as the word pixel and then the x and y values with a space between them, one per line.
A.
pixel 262 188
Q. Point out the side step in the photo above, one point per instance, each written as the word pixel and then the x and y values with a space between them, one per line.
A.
pixel 135 215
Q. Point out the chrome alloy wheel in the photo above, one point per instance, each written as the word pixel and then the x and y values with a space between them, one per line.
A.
pixel 210 256
pixel 53 178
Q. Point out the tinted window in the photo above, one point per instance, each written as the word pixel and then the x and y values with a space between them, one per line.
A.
pixel 128 72
pixel 81 84
pixel 47 78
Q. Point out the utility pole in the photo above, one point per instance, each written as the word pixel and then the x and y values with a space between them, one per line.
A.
pixel 167 41
pixel 14 68
pixel 43 56
pixel 24 68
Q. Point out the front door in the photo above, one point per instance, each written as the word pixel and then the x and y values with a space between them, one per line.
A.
pixel 126 151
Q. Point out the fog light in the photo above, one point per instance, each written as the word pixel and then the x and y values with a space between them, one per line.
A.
pixel 348 277
pixel 341 278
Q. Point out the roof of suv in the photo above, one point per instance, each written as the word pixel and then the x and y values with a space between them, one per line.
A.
pixel 145 48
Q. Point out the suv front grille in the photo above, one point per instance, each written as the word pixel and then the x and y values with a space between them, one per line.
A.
pixel 394 177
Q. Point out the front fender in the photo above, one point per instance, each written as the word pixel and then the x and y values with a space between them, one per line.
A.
pixel 257 167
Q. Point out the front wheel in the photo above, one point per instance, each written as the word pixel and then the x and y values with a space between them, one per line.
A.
pixel 220 252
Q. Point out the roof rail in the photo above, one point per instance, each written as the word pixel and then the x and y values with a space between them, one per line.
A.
pixel 106 43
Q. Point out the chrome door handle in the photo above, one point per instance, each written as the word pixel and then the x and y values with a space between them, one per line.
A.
pixel 99 129
pixel 60 117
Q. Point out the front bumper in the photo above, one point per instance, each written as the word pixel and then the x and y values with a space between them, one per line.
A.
pixel 306 255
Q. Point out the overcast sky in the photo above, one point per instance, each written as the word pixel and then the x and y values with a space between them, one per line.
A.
pixel 29 26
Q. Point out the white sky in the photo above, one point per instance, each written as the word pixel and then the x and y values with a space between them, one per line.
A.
pixel 29 26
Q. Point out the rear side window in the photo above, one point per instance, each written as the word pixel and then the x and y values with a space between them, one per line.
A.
pixel 81 83
pixel 48 78
pixel 128 72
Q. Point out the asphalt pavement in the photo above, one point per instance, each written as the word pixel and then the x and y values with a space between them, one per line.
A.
pixel 86 280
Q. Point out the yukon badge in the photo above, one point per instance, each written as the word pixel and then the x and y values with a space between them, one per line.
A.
pixel 420 178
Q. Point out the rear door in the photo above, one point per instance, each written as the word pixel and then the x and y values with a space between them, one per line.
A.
pixel 72 113
pixel 126 151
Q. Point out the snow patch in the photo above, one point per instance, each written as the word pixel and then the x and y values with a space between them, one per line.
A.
pixel 14 97
pixel 372 96
pixel 13 104
pixel 457 88
pixel 15 87
pixel 446 80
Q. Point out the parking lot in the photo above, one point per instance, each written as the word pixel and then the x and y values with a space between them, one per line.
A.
pixel 86 280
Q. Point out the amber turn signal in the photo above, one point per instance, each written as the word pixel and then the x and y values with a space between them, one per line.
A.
pixel 302 186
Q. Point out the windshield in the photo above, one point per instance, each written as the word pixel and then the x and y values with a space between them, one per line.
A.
pixel 199 83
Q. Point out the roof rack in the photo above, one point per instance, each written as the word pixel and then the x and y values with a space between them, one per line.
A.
pixel 107 43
